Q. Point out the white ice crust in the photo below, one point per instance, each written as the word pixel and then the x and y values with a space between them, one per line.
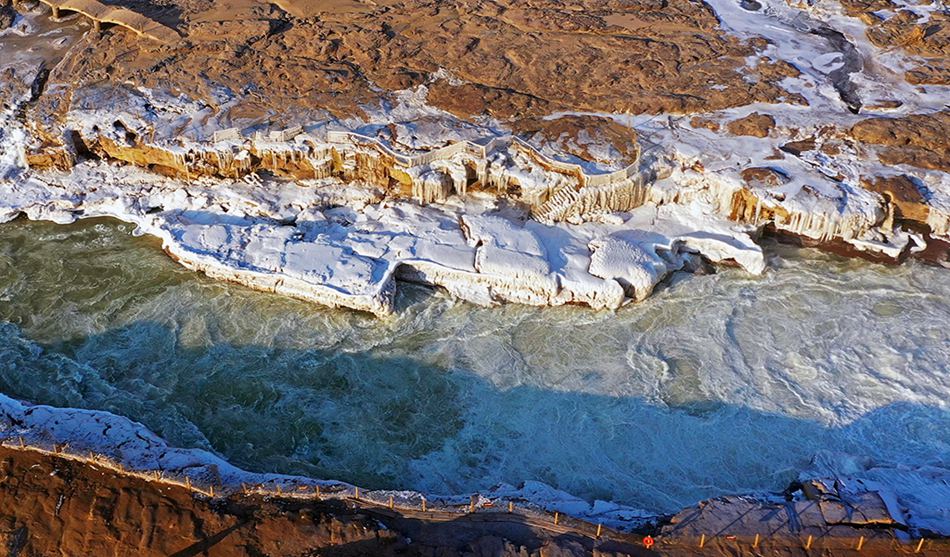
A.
pixel 323 242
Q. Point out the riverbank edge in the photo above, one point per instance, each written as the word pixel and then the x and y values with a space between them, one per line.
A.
pixel 127 504
pixel 129 454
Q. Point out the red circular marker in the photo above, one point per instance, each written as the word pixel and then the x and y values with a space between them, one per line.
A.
pixel 648 542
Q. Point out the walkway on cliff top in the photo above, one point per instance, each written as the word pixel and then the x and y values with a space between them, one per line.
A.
pixel 100 13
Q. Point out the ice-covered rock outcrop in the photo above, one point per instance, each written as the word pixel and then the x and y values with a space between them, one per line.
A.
pixel 292 238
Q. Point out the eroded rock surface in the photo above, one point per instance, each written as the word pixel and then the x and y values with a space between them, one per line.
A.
pixel 918 140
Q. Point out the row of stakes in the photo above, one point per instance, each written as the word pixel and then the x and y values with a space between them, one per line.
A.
pixel 648 541
pixel 808 543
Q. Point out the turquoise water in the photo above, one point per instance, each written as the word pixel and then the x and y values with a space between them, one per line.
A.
pixel 718 384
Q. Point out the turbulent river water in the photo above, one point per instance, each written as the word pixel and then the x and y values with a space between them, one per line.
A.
pixel 717 384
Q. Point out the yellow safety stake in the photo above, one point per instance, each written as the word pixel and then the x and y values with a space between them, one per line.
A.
pixel 423 504
pixel 557 518
pixel 702 541
pixel 920 545
pixel 755 544
pixel 600 528
pixel 391 503
pixel 860 543
pixel 808 543
pixel 511 507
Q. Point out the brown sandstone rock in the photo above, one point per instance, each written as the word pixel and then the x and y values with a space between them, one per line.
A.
pixel 507 59
pixel 927 38
pixel 53 506
pixel 798 147
pixel 909 202
pixel 934 72
pixel 763 176
pixel 702 122
pixel 921 140
pixel 574 134
pixel 7 14
pixel 755 125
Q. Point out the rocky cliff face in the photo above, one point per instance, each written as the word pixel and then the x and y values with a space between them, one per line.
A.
pixel 553 193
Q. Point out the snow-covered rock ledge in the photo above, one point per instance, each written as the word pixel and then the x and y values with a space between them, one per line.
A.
pixel 341 246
